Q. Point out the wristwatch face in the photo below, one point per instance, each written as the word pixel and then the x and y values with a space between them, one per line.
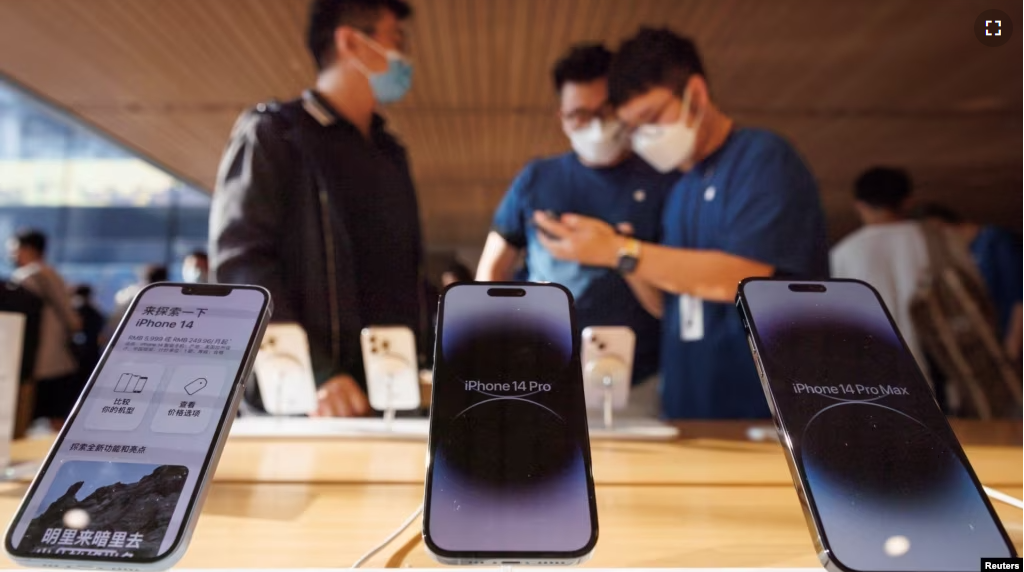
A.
pixel 627 263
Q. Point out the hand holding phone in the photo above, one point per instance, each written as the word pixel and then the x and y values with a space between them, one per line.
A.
pixel 126 478
pixel 553 215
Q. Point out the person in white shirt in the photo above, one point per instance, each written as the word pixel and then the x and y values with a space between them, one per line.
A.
pixel 149 274
pixel 889 251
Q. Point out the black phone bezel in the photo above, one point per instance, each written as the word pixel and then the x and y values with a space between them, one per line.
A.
pixel 826 553
pixel 485 556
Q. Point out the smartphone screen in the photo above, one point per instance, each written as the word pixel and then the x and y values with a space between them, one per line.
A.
pixel 122 478
pixel 510 452
pixel 882 471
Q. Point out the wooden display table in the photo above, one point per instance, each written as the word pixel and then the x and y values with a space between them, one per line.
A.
pixel 709 499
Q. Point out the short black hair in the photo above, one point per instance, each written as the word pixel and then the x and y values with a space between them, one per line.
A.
pixel 326 16
pixel 155 273
pixel 31 238
pixel 83 291
pixel 583 63
pixel 937 211
pixel 459 271
pixel 654 57
pixel 883 187
pixel 200 254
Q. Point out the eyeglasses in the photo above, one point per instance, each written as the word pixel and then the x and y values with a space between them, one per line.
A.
pixel 581 116
pixel 651 122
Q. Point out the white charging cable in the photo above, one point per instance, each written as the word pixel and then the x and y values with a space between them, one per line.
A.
pixel 992 493
pixel 1003 498
pixel 376 549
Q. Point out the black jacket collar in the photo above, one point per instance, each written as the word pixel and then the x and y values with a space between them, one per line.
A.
pixel 319 109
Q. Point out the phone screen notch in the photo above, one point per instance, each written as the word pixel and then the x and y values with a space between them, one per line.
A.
pixel 205 290
pixel 506 292
pixel 816 288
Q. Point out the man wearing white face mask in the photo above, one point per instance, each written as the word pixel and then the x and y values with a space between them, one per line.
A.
pixel 746 205
pixel 314 199
pixel 600 178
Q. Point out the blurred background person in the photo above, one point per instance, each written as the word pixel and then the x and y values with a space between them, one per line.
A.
pixel 55 371
pixel 889 250
pixel 87 341
pixel 745 205
pixel 599 178
pixel 149 274
pixel 315 202
pixel 456 272
pixel 195 268
pixel 998 254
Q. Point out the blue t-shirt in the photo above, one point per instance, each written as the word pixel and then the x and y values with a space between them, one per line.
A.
pixel 631 192
pixel 754 198
pixel 997 252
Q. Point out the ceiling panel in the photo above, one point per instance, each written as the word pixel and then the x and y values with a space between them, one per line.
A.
pixel 850 83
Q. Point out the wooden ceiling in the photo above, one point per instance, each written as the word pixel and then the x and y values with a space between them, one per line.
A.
pixel 852 84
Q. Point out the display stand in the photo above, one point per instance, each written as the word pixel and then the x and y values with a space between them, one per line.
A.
pixel 607 374
pixel 12 328
pixel 389 410
pixel 20 472
pixel 629 429
pixel 262 427
pixel 280 399
pixel 763 433
pixel 389 426
pixel 283 371
pixel 608 406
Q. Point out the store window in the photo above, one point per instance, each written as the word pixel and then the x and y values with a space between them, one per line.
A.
pixel 107 213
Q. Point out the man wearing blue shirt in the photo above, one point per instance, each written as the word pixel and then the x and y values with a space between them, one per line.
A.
pixel 746 205
pixel 602 179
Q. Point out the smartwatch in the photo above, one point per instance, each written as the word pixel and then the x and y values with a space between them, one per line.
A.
pixel 629 256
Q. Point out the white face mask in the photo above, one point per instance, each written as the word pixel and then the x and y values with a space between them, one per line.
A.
pixel 667 146
pixel 599 142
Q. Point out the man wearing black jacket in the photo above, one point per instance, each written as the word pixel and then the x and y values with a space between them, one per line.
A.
pixel 315 202
pixel 19 300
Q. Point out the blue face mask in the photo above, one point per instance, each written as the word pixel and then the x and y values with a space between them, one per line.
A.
pixel 392 84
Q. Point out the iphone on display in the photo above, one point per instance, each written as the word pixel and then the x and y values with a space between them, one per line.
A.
pixel 884 483
pixel 123 484
pixel 392 371
pixel 509 474
pixel 607 364
pixel 284 371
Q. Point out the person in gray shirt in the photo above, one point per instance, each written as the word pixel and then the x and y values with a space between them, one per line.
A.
pixel 55 371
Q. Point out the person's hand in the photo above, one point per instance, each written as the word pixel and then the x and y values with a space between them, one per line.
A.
pixel 583 239
pixel 341 396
